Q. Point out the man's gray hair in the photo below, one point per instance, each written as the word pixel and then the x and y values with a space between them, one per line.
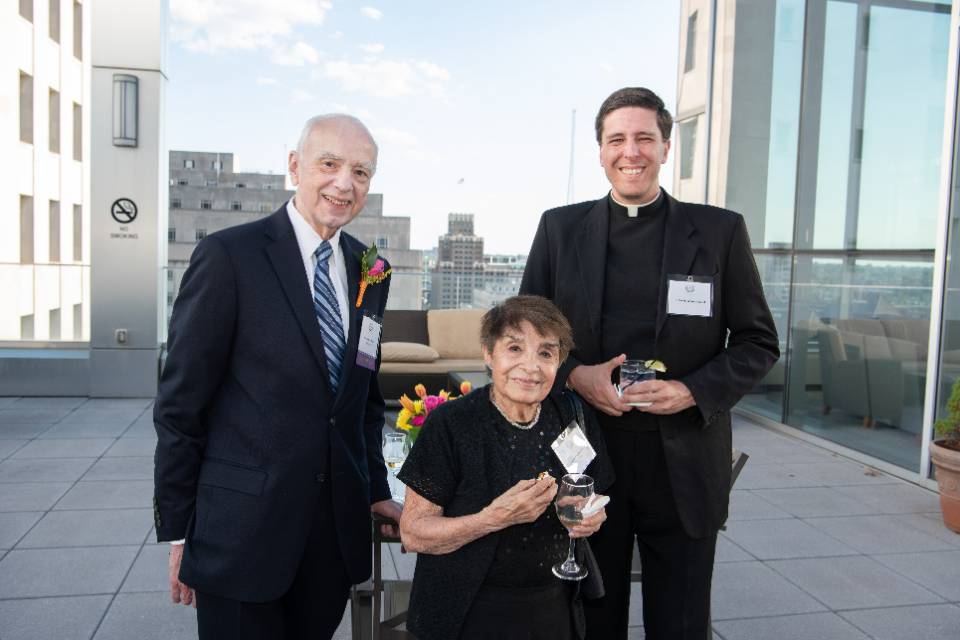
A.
pixel 320 120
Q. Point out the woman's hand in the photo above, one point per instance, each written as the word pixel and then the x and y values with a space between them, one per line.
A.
pixel 589 525
pixel 521 503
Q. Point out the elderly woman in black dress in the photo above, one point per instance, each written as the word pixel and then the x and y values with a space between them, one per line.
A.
pixel 476 512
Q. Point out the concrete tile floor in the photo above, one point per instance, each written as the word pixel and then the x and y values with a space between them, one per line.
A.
pixel 817 547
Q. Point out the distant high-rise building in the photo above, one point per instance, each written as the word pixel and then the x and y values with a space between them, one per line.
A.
pixel 500 279
pixel 391 235
pixel 207 195
pixel 459 264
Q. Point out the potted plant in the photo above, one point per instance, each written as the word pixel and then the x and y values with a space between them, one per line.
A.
pixel 945 455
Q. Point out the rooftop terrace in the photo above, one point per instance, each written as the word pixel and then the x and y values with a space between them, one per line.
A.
pixel 817 546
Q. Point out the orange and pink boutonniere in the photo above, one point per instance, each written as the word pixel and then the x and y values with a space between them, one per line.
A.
pixel 372 271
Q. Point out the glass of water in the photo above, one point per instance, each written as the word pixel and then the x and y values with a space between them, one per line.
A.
pixel 395 449
pixel 632 372
pixel 574 492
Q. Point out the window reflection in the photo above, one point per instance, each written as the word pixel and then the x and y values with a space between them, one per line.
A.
pixel 768 396
pixel 859 333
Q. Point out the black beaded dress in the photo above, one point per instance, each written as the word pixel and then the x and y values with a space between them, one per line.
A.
pixel 467 454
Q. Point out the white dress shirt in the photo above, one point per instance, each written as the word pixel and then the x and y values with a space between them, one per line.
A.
pixel 308 240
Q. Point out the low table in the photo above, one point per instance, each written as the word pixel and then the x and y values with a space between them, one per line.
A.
pixel 476 379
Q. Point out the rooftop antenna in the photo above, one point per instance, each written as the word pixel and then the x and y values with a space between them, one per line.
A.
pixel 573 128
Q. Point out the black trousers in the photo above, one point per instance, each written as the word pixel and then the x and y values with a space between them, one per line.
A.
pixel 677 569
pixel 310 610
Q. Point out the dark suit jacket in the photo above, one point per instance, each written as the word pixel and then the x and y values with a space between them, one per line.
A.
pixel 567 265
pixel 249 433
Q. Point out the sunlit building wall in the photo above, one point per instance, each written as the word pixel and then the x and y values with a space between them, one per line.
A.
pixel 44 171
pixel 823 122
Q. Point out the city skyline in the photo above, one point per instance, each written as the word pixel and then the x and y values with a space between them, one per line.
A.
pixel 471 105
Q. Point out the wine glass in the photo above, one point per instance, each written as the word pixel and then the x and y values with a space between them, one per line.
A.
pixel 395 449
pixel 575 490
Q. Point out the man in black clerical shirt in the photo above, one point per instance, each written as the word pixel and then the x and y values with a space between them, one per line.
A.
pixel 641 275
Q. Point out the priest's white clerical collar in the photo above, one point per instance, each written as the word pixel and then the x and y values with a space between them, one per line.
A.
pixel 633 208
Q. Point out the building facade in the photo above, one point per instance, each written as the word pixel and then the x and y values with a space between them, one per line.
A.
pixel 834 139
pixel 391 235
pixel 208 193
pixel 459 265
pixel 44 171
pixel 499 280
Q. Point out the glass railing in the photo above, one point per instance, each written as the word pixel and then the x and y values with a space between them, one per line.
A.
pixel 409 289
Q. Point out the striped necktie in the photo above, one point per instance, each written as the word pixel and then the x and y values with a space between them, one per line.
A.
pixel 328 313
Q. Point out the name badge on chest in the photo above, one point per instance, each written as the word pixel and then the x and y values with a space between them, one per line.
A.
pixel 690 296
pixel 573 449
pixel 368 342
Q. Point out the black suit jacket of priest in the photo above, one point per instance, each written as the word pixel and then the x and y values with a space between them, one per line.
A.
pixel 249 432
pixel 567 264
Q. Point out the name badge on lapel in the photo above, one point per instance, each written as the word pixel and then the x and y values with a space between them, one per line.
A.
pixel 690 296
pixel 368 342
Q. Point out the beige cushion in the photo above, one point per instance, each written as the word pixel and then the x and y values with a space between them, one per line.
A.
pixel 437 366
pixel 455 333
pixel 407 352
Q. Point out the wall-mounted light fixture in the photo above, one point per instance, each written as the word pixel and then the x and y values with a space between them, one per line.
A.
pixel 125 108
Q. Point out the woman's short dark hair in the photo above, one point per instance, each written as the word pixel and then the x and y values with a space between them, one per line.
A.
pixel 635 97
pixel 545 317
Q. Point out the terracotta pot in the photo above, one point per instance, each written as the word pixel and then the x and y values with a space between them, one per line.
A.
pixel 947 463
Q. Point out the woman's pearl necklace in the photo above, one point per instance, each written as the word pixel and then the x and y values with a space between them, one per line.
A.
pixel 522 427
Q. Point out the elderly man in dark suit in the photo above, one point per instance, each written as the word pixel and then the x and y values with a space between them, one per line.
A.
pixel 268 414
pixel 641 275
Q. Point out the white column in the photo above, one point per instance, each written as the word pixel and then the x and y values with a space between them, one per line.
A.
pixel 128 173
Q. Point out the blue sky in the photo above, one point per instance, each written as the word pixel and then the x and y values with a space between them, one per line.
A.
pixel 470 102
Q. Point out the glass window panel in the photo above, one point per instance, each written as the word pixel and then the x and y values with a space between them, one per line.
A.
pixel 54 120
pixel 77 132
pixel 26 327
pixel 688 144
pixel 836 104
pixel 26 108
pixel 784 125
pixel 690 57
pixel 859 334
pixel 26 229
pixel 949 357
pixel 767 397
pixel 78 322
pixel 54 230
pixel 77 30
pixel 54 320
pixel 26 9
pixel 54 20
pixel 77 233
pixel 904 104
